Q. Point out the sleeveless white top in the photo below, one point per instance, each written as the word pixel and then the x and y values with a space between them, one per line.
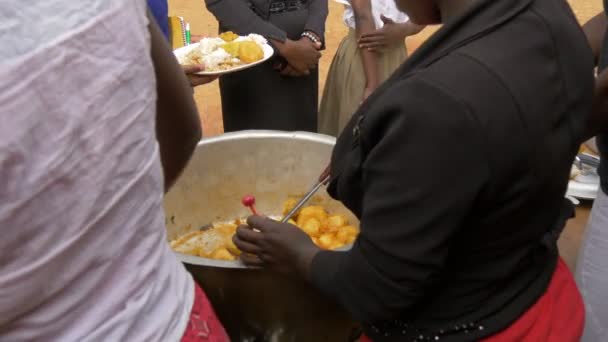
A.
pixel 83 250
pixel 379 7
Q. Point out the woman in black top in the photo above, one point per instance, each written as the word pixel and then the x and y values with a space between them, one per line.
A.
pixel 281 94
pixel 457 168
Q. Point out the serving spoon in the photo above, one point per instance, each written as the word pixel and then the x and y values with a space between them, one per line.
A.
pixel 249 200
pixel 323 180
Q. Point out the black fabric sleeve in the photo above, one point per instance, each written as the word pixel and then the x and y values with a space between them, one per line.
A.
pixel 423 171
pixel 238 17
pixel 317 16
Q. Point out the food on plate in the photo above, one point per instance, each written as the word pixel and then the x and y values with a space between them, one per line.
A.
pixel 229 36
pixel 328 231
pixel 250 52
pixel 232 48
pixel 225 52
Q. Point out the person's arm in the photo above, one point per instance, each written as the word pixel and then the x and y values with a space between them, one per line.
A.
pixel 595 29
pixel 364 22
pixel 194 78
pixel 390 34
pixel 411 29
pixel 178 127
pixel 417 194
pixel 317 16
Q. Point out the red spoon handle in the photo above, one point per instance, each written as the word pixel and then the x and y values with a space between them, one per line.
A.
pixel 249 201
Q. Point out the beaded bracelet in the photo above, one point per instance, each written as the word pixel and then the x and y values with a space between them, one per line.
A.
pixel 311 37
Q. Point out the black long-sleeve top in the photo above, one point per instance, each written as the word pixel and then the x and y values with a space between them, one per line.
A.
pixel 457 168
pixel 245 17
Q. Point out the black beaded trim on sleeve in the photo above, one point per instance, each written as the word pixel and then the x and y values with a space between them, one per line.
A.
pixel 397 328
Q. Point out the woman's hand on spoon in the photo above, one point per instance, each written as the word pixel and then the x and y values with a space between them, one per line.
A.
pixel 281 247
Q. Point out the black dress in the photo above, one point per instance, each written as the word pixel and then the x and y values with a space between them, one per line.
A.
pixel 457 168
pixel 260 98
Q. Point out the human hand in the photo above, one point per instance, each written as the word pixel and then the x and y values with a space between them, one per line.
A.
pixel 193 78
pixel 302 55
pixel 291 71
pixel 287 70
pixel 317 46
pixel 388 35
pixel 281 247
pixel 195 38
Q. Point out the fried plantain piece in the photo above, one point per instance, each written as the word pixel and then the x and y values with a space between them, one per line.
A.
pixel 250 52
pixel 229 36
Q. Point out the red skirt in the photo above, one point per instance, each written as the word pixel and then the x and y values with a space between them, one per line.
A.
pixel 557 316
pixel 204 324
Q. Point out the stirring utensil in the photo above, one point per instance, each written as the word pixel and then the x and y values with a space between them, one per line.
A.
pixel 325 177
pixel 249 201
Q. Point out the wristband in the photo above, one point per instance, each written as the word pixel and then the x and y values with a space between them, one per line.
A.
pixel 311 37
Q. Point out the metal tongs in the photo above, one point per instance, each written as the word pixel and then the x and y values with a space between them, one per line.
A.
pixel 323 180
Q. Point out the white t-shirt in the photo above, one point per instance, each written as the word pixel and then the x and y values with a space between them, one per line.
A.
pixel 83 250
pixel 379 7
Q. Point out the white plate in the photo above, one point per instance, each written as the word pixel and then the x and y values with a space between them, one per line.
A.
pixel 584 186
pixel 268 52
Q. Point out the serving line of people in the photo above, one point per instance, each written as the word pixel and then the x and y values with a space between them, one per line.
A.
pixel 491 110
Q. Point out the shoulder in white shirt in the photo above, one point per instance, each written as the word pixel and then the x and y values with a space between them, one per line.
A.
pixel 83 254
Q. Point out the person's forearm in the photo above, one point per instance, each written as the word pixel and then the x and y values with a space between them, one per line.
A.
pixel 410 29
pixel 178 128
pixel 364 22
pixel 595 30
pixel 317 16
pixel 281 47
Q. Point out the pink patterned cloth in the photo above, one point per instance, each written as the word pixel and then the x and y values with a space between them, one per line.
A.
pixel 204 324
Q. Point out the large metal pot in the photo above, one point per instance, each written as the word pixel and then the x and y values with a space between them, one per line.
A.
pixel 253 304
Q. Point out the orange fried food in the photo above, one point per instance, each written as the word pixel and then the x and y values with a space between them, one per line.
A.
pixel 326 231
pixel 229 36
pixel 250 52
pixel 232 48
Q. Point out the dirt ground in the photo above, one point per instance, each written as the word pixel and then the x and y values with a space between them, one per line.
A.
pixel 202 22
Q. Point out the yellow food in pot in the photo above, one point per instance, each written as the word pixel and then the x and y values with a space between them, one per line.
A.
pixel 325 230
pixel 312 227
pixel 223 254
